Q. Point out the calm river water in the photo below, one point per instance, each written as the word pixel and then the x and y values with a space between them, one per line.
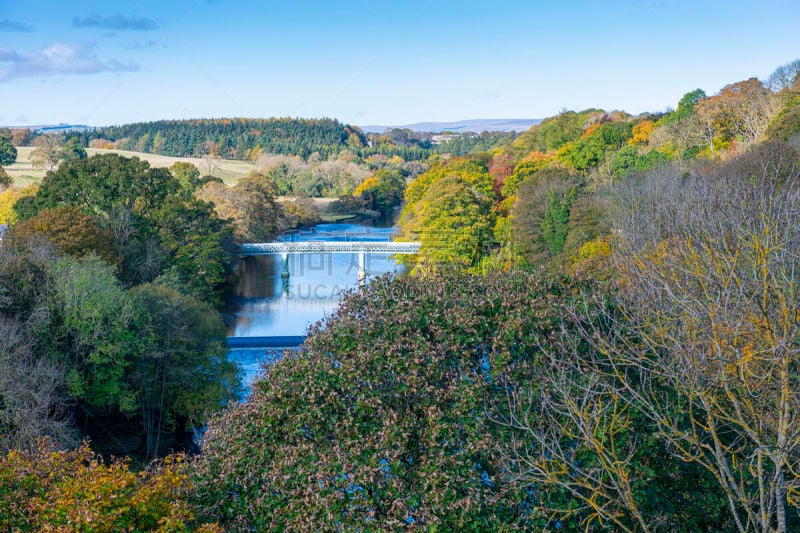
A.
pixel 269 306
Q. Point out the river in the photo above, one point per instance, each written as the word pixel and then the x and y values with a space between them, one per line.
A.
pixel 268 306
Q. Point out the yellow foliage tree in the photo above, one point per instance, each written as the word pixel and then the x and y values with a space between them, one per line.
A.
pixel 49 490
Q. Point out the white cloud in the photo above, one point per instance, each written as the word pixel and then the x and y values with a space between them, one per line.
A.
pixel 57 59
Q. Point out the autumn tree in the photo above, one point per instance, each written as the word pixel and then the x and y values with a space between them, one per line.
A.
pixel 45 489
pixel 21 137
pixel 46 151
pixel 382 191
pixel 250 207
pixel 450 210
pixel 704 347
pixel 301 212
pixel 741 109
pixel 72 232
pixel 6 181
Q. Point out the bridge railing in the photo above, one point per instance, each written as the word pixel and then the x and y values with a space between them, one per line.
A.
pixel 333 247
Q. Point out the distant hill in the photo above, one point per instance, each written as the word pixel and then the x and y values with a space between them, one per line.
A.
pixel 52 128
pixel 476 125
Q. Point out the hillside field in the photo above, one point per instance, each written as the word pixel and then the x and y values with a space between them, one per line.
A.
pixel 230 171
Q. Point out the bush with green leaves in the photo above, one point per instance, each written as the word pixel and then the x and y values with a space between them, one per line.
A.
pixel 382 420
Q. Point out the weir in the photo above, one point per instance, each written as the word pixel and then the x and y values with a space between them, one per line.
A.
pixel 286 341
pixel 329 247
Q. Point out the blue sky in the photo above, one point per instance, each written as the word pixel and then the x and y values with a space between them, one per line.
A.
pixel 376 61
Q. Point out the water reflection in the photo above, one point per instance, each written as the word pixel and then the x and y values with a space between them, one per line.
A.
pixel 271 306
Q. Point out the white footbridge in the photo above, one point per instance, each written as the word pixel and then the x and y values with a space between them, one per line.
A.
pixel 329 247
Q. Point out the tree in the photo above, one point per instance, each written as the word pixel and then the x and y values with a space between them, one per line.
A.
pixel 210 152
pixel 70 231
pixel 784 77
pixel 301 212
pixel 541 215
pixel 6 181
pixel 198 246
pixel 629 160
pixel 528 166
pixel 182 375
pixel 449 209
pixel 46 151
pixel 45 489
pixel 250 207
pixel 705 344
pixel 741 109
pixel 21 137
pixel 594 460
pixel 381 422
pixel 187 175
pixel 88 328
pixel 105 184
pixel 264 217
pixel 73 149
pixel 453 221
pixel 159 229
pixel 8 154
pixel 785 126
pixel 749 106
pixel 382 191
pixel 32 405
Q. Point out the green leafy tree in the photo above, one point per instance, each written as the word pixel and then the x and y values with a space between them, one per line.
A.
pixel 556 219
pixel 159 229
pixel 187 175
pixel 88 329
pixel 630 159
pixel 381 422
pixel 383 190
pixel 182 374
pixel 104 186
pixel 73 149
pixel 8 154
pixel 198 245
pixel 450 210
pixel 540 218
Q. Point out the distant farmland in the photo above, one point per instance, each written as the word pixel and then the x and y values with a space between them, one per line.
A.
pixel 229 171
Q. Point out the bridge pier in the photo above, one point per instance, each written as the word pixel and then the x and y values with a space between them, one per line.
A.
pixel 331 247
pixel 285 269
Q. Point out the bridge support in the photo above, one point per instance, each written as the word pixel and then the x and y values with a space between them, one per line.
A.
pixel 362 273
pixel 285 269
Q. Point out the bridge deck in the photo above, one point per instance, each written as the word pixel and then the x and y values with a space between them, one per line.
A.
pixel 330 247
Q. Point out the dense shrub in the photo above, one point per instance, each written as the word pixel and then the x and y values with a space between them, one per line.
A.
pixel 382 420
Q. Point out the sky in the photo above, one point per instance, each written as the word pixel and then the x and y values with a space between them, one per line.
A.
pixel 385 62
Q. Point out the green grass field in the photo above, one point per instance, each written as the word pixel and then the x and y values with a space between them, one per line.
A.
pixel 229 171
